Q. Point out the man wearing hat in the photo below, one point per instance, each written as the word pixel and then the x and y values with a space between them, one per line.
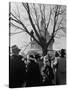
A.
pixel 61 69
pixel 33 73
pixel 16 69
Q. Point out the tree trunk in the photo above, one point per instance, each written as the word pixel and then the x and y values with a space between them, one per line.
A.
pixel 44 50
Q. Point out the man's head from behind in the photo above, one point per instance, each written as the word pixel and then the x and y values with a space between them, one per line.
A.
pixel 15 50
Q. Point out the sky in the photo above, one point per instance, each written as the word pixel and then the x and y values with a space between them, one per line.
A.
pixel 22 39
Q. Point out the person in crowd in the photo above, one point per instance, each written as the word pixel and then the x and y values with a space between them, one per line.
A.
pixel 55 64
pixel 33 73
pixel 16 69
pixel 61 69
pixel 49 59
pixel 39 60
pixel 48 72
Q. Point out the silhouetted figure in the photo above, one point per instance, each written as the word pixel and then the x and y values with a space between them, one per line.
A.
pixel 33 73
pixel 56 54
pixel 39 60
pixel 55 61
pixel 61 69
pixel 17 70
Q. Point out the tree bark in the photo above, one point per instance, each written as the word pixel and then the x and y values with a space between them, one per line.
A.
pixel 44 51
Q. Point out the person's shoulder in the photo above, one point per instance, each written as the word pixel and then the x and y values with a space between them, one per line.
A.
pixel 58 59
pixel 62 58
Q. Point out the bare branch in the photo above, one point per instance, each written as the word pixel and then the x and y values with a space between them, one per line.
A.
pixel 60 12
pixel 17 21
pixel 37 18
pixel 60 22
pixel 26 30
pixel 39 38
pixel 15 13
pixel 43 12
pixel 13 25
pixel 49 18
pixel 27 46
pixel 55 23
pixel 59 36
pixel 40 10
pixel 11 14
pixel 59 29
pixel 26 6
pixel 31 21
pixel 15 33
pixel 57 10
pixel 18 12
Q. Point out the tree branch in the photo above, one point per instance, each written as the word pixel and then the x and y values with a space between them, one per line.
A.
pixel 37 19
pixel 49 18
pixel 26 30
pixel 55 22
pixel 11 14
pixel 31 21
pixel 59 28
pixel 27 46
pixel 13 25
pixel 16 33
pixel 60 12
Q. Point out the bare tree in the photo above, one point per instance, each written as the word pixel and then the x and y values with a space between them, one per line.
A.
pixel 40 22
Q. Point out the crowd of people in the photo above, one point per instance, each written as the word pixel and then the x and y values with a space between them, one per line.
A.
pixel 36 70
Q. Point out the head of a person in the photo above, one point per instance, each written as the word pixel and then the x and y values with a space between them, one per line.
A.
pixel 62 52
pixel 56 54
pixel 15 50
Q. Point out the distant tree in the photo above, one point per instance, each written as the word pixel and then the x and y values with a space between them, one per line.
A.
pixel 44 19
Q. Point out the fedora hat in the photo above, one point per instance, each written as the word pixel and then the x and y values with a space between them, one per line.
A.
pixel 15 49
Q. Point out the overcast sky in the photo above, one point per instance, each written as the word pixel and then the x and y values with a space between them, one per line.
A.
pixel 22 38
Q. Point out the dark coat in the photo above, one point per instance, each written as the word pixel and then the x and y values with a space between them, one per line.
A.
pixel 33 74
pixel 61 71
pixel 16 71
pixel 49 75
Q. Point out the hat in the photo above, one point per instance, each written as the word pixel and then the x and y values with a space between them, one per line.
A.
pixel 15 49
pixel 62 52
